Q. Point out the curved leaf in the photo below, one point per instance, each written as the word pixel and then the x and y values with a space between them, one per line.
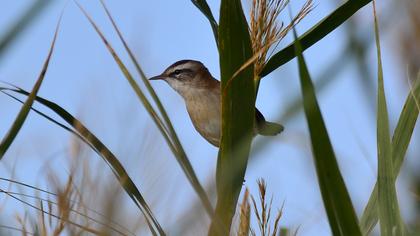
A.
pixel 24 111
pixel 112 161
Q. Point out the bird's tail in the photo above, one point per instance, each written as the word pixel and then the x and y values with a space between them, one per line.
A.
pixel 266 128
pixel 270 129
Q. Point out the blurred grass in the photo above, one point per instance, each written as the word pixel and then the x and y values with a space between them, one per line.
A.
pixel 28 17
pixel 72 210
pixel 337 202
pixel 69 208
pixel 63 219
pixel 111 160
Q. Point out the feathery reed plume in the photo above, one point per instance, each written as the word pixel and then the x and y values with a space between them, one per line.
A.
pixel 64 194
pixel 22 222
pixel 244 216
pixel 265 31
pixel 64 210
pixel 263 214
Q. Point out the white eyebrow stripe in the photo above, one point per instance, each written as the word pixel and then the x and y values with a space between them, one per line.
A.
pixel 187 65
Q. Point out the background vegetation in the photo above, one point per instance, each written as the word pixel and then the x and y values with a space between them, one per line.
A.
pixel 360 105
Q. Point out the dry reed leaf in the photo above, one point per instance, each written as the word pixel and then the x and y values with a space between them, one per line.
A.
pixel 264 29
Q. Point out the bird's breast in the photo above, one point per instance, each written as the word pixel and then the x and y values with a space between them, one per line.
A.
pixel 205 113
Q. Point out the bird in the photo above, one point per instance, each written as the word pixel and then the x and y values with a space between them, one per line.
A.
pixel 201 93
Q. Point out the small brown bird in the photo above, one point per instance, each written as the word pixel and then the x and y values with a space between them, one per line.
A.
pixel 201 92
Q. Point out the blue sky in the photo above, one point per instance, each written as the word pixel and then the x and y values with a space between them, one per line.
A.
pixel 84 79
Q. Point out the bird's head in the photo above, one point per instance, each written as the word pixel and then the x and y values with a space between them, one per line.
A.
pixel 186 76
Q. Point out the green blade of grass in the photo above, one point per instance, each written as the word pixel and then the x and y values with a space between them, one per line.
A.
pixel 205 9
pixel 316 33
pixel 180 155
pixel 112 161
pixel 337 202
pixel 26 107
pixel 389 212
pixel 238 111
pixel 400 141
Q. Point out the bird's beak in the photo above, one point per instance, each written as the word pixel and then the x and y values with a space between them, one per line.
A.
pixel 158 77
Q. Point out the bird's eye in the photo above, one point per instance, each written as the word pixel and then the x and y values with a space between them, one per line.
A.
pixel 177 73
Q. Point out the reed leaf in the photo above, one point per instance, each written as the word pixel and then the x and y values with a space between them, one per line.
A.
pixel 400 141
pixel 238 111
pixel 117 168
pixel 180 154
pixel 389 212
pixel 337 202
pixel 26 107
pixel 316 33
